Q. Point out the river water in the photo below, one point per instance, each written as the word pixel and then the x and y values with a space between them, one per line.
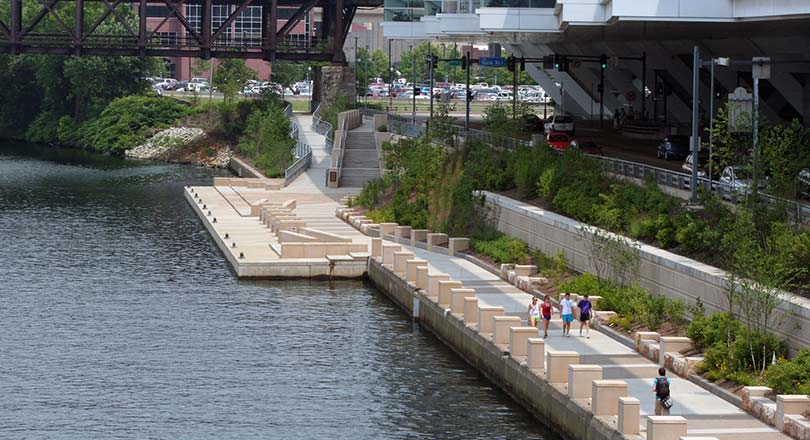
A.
pixel 120 319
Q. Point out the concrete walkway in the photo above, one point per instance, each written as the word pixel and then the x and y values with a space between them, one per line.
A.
pixel 707 414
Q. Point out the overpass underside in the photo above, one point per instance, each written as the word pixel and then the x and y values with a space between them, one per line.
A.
pixel 668 48
pixel 120 28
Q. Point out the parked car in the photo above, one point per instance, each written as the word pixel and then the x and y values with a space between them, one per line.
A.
pixel 560 123
pixel 738 179
pixel 804 182
pixel 674 147
pixel 532 123
pixel 558 140
pixel 586 147
pixel 687 165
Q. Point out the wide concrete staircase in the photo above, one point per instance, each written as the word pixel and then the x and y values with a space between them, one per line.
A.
pixel 360 161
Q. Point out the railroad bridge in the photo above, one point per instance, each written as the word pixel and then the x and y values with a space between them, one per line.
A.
pixel 65 27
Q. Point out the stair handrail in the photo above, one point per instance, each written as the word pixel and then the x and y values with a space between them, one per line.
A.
pixel 301 151
pixel 323 127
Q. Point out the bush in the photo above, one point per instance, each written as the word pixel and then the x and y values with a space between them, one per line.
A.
pixel 384 215
pixel 528 164
pixel 790 376
pixel 705 331
pixel 503 250
pixel 655 309
pixel 372 192
pixel 267 141
pixel 43 128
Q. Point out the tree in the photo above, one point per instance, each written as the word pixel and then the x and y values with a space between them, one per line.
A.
pixel 286 73
pixel 230 77
pixel 786 152
pixel 370 65
pixel 731 147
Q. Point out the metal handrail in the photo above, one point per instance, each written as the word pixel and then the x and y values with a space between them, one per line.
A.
pixel 302 153
pixel 663 177
pixel 324 128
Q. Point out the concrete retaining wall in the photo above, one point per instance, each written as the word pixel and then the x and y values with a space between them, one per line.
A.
pixel 242 169
pixel 547 402
pixel 661 272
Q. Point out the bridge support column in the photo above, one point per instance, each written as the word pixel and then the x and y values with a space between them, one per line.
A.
pixel 331 82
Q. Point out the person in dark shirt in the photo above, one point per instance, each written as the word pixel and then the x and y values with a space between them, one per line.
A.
pixel 661 390
pixel 585 315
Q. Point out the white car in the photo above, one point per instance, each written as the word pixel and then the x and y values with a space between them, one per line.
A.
pixel 561 123
pixel 737 180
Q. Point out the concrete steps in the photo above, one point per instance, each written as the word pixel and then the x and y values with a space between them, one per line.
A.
pixel 360 160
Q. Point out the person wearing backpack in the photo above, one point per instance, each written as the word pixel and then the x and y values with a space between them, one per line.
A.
pixel 661 388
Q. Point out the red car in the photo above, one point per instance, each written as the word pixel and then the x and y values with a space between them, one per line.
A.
pixel 587 147
pixel 558 141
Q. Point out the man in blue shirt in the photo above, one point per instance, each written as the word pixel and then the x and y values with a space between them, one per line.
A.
pixel 661 390
pixel 585 315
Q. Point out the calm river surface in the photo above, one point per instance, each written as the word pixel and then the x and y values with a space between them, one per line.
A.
pixel 119 319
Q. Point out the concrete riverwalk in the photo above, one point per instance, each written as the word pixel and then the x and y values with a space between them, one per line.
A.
pixel 594 388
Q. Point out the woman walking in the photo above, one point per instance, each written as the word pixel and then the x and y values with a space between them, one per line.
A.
pixel 546 311
pixel 534 312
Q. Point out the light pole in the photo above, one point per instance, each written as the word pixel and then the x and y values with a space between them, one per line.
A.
pixel 713 62
pixel 413 98
pixel 693 199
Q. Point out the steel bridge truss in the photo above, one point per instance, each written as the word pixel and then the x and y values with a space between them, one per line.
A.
pixel 77 35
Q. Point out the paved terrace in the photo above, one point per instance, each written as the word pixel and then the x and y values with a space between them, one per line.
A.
pixel 248 244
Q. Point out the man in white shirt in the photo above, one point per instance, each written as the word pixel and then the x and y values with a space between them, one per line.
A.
pixel 567 306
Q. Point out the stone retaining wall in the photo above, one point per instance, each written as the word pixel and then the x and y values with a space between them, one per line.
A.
pixel 661 272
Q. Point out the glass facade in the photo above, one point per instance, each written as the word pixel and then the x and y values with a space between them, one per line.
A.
pixel 248 27
pixel 413 10
pixel 519 3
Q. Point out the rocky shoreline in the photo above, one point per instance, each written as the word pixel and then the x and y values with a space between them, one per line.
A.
pixel 184 145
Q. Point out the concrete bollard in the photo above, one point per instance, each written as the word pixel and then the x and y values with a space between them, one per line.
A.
pixel 388 250
pixel 525 270
pixel 485 315
pixel 470 310
pixel 419 235
pixel 400 260
pixel 433 283
pixel 501 328
pixel 422 277
pixel 387 229
pixel 519 340
pixel 666 427
pixel 376 247
pixel 536 353
pixel 410 269
pixel 456 245
pixel 672 344
pixel 402 232
pixel 644 336
pixel 629 415
pixel 557 363
pixel 444 291
pixel 457 297
pixel 790 404
pixel 605 396
pixel 580 380
pixel 435 239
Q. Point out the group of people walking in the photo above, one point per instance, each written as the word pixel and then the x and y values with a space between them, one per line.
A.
pixel 537 312
pixel 543 311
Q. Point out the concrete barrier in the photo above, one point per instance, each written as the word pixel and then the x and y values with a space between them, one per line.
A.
pixel 666 427
pixel 388 228
pixel 536 354
pixel 519 340
pixel 787 404
pixel 376 247
pixel 400 262
pixel 319 250
pixel 295 237
pixel 485 315
pixel 443 298
pixel 457 297
pixel 433 283
pixel 419 235
pixel 411 275
pixel 457 245
pixel 290 225
pixel 580 380
pixel 605 396
pixel 629 415
pixel 525 270
pixel 435 239
pixel 324 235
pixel 557 363
pixel 501 328
pixel 402 232
pixel 672 344
pixel 388 250
pixel 422 277
pixel 470 310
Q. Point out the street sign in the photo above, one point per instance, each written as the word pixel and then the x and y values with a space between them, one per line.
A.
pixel 492 61
pixel 455 63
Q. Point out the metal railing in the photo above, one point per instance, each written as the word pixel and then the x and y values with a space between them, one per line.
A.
pixel 664 178
pixel 302 152
pixel 324 128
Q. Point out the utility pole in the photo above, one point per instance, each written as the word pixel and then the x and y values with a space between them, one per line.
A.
pixel 760 69
pixel 693 199
pixel 514 87
pixel 711 126
pixel 390 77
pixel 356 66
pixel 413 98
pixel 468 62
pixel 211 83
pixel 430 74
pixel 644 85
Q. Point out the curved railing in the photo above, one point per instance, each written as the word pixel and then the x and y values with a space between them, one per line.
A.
pixel 324 128
pixel 302 152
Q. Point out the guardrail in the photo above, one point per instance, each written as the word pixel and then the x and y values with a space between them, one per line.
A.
pixel 324 128
pixel 663 177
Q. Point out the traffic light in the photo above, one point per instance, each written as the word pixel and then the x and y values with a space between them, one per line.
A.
pixel 464 62
pixel 548 62
pixel 561 63
pixel 433 60
pixel 510 64
pixel 603 61
pixel 557 62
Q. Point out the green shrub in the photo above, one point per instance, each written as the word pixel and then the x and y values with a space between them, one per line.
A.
pixel 549 183
pixel 382 128
pixel 623 322
pixel 716 357
pixel 750 350
pixel 384 215
pixel 43 128
pixel 705 331
pixel 742 378
pixel 503 250
pixel 655 309
pixel 372 192
pixel 528 164
pixel 267 141
pixel 790 376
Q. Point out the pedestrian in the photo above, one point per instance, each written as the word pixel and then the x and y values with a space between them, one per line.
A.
pixel 534 312
pixel 567 305
pixel 546 311
pixel 616 119
pixel 585 316
pixel 661 388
